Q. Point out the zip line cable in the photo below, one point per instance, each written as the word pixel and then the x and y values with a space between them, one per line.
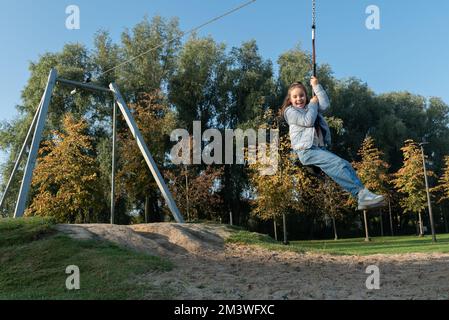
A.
pixel 183 34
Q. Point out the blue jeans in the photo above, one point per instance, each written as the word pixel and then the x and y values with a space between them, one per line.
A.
pixel 332 165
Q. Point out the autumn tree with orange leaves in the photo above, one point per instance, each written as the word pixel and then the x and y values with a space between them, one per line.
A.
pixel 373 171
pixel 66 176
pixel 409 181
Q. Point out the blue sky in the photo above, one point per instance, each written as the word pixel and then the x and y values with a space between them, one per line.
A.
pixel 409 52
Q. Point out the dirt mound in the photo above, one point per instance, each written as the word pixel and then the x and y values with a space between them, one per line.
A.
pixel 192 237
pixel 206 268
pixel 155 239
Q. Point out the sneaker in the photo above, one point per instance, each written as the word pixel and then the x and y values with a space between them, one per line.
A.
pixel 369 200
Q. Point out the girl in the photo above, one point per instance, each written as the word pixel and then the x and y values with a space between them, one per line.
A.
pixel 310 136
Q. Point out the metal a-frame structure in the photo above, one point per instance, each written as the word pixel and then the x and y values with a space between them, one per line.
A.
pixel 37 127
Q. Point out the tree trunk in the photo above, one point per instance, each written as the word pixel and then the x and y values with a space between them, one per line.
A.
pixel 335 229
pixel 238 210
pixel 158 214
pixel 227 195
pixel 445 223
pixel 443 216
pixel 275 230
pixel 187 195
pixel 147 209
pixel 311 229
pixel 381 223
pixel 284 223
pixel 391 218
pixel 421 232
pixel 367 238
pixel 230 218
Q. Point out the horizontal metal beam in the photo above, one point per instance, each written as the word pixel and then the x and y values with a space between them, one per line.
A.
pixel 82 85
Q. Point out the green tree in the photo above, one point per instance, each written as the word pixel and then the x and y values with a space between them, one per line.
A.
pixel 441 191
pixel 437 131
pixel 251 89
pixel 402 116
pixel 296 65
pixel 354 103
pixel 105 57
pixel 443 182
pixel 197 88
pixel 152 48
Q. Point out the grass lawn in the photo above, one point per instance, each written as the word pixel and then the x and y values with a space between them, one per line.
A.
pixel 34 257
pixel 385 245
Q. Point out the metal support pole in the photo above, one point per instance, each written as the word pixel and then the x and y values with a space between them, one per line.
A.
pixel 275 229
pixel 391 217
pixel 367 238
pixel 26 182
pixel 146 154
pixel 114 142
pixel 381 222
pixel 22 152
pixel 432 226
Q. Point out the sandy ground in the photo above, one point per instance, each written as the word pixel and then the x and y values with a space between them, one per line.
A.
pixel 207 268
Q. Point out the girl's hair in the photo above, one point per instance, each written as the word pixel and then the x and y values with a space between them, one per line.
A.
pixel 287 101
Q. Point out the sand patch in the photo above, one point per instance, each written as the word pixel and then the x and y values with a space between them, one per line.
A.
pixel 208 268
